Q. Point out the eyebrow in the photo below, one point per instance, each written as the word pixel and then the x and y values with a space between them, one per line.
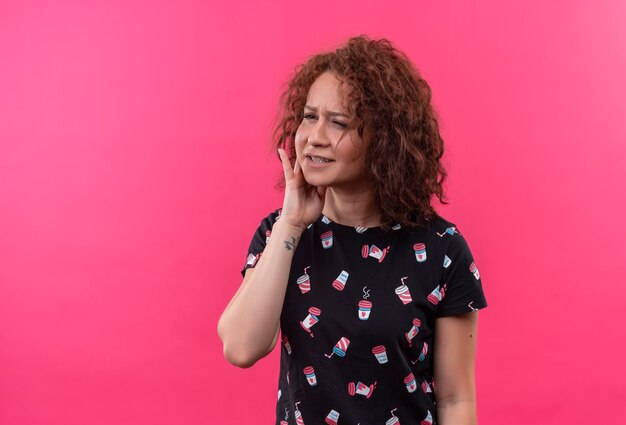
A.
pixel 314 109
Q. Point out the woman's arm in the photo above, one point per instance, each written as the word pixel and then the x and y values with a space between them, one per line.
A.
pixel 454 360
pixel 249 325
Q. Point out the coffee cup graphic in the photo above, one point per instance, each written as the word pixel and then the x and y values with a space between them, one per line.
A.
pixel 428 420
pixel 446 261
pixel 361 388
pixel 341 280
pixel 420 252
pixel 393 420
pixel 381 353
pixel 474 270
pixel 311 319
pixel 332 417
pixel 309 372
pixel 365 308
pixel 286 344
pixel 409 381
pixel 327 239
pixel 414 331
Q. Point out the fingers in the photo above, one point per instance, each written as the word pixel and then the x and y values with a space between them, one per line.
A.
pixel 284 159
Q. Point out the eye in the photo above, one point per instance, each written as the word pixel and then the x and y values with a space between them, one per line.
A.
pixel 338 123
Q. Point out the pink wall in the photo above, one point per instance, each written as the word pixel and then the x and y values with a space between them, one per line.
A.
pixel 134 167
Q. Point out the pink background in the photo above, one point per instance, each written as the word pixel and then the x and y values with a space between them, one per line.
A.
pixel 134 168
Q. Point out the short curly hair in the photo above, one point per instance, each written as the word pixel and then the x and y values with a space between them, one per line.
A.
pixel 394 118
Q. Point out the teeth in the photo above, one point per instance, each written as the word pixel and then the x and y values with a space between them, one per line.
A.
pixel 316 159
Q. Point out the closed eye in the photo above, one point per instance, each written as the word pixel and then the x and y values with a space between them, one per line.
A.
pixel 339 123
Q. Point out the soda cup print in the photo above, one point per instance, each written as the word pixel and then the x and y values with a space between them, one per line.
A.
pixel 360 229
pixel 420 252
pixel 332 417
pixel 340 348
pixel 414 331
pixel 426 388
pixel 286 344
pixel 325 219
pixel 396 227
pixel 393 420
pixel 381 353
pixel 422 355
pixel 403 292
pixel 374 251
pixel 297 414
pixel 409 381
pixel 435 296
pixel 304 282
pixel 365 308
pixel 428 420
pixel 474 270
pixel 309 372
pixel 327 239
pixel 267 236
pixel 341 280
pixel 279 393
pixel 361 388
pixel 311 319
pixel 446 261
pixel 252 259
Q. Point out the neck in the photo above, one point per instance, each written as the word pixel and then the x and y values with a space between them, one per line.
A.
pixel 353 208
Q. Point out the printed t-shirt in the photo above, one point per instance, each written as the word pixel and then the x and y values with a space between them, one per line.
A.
pixel 358 318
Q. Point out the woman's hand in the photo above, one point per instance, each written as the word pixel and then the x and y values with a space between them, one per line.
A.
pixel 303 203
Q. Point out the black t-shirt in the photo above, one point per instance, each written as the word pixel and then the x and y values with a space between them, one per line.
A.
pixel 358 318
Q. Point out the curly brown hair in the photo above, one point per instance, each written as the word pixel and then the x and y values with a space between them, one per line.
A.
pixel 394 118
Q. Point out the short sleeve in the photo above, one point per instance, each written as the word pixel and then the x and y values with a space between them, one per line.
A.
pixel 461 285
pixel 259 240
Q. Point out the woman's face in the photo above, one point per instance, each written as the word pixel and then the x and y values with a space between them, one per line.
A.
pixel 328 147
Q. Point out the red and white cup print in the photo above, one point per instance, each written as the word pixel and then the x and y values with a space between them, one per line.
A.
pixel 286 344
pixel 403 292
pixel 426 388
pixel 435 296
pixel 428 420
pixel 361 388
pixel 268 233
pixel 374 251
pixel 420 252
pixel 327 239
pixel 298 415
pixel 340 347
pixel 252 259
pixel 304 282
pixel 341 280
pixel 393 420
pixel 474 270
pixel 365 308
pixel 309 372
pixel 413 331
pixel 311 319
pixel 381 353
pixel 332 417
pixel 409 381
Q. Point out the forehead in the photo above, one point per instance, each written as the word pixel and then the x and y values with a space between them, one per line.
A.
pixel 326 91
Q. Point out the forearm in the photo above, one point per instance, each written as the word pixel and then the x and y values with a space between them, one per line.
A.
pixel 248 325
pixel 457 413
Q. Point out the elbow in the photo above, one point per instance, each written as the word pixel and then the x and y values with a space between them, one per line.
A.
pixel 239 357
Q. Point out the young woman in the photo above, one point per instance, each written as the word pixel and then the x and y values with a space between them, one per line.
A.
pixel 373 294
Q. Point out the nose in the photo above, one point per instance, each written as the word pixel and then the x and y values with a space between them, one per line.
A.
pixel 317 136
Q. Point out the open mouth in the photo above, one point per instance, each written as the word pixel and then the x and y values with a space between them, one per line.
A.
pixel 319 160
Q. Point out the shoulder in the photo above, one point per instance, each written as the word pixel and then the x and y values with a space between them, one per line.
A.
pixel 271 218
